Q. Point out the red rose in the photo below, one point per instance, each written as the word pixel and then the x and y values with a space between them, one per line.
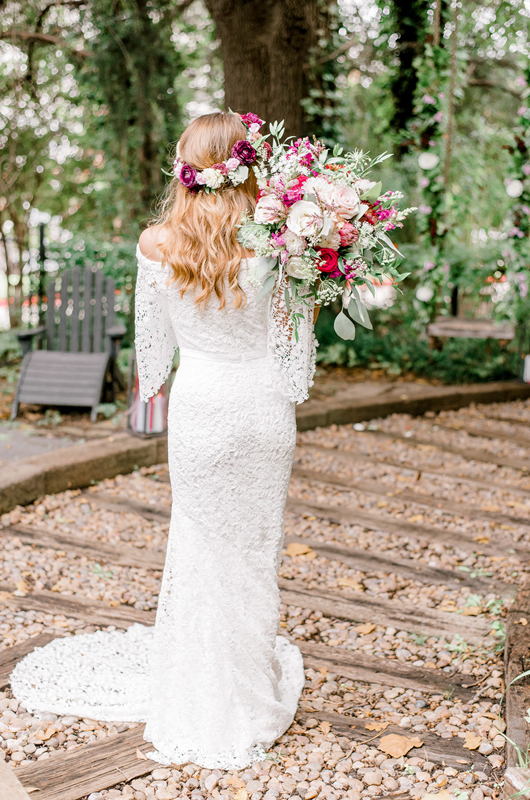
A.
pixel 328 259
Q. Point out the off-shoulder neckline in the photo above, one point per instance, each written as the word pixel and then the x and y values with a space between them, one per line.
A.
pixel 161 263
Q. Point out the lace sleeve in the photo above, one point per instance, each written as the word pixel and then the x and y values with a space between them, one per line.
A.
pixel 155 338
pixel 295 355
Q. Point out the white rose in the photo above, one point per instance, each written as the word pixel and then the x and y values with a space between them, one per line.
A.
pixel 295 244
pixel 319 186
pixel 213 178
pixel 238 175
pixel 305 219
pixel 296 267
pixel 345 201
pixel 269 209
pixel 331 238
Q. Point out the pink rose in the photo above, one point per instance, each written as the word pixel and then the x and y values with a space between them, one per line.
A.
pixel 269 209
pixel 345 201
pixel 348 234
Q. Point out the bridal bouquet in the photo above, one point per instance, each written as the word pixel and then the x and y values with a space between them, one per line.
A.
pixel 321 224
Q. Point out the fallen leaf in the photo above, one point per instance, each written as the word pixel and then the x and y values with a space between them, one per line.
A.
pixel 471 611
pixel 349 583
pixel 523 621
pixel 397 746
pixel 416 518
pixel 376 726
pixel 139 754
pixel 235 781
pixel 481 539
pixel 114 603
pixel 472 741
pixel 443 795
pixel 5 595
pixel 298 549
pixel 242 794
pixel 22 586
pixel 323 671
pixel 366 628
pixel 325 727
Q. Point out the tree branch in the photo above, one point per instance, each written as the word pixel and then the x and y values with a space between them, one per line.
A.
pixel 45 38
pixel 493 85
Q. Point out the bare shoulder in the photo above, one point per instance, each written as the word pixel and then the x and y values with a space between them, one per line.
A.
pixel 150 240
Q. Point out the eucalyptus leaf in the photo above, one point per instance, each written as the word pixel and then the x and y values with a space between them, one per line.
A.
pixel 344 327
pixel 390 243
pixel 372 194
pixel 268 285
pixel 358 312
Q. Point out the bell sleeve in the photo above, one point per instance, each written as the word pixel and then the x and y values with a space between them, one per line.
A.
pixel 155 338
pixel 294 351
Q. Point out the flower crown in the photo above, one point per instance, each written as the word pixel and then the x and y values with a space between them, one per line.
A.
pixel 234 170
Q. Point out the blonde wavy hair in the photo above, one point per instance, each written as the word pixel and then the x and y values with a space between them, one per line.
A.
pixel 200 244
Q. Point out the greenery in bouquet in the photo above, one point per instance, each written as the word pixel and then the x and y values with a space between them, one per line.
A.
pixel 321 226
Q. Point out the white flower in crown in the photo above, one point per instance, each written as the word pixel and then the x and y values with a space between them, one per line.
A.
pixel 213 178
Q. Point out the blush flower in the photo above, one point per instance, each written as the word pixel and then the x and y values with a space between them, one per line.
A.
pixel 294 244
pixel 345 201
pixel 269 209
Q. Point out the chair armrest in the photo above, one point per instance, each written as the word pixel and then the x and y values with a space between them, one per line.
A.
pixel 25 338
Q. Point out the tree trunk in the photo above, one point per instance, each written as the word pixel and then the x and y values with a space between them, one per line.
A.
pixel 265 45
pixel 412 24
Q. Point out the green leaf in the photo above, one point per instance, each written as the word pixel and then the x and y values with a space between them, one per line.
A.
pixel 287 300
pixel 358 312
pixel 268 285
pixel 372 194
pixel 344 327
pixel 390 243
pixel 264 265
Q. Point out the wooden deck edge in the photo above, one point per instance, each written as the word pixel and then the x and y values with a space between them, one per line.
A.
pixel 516 664
pixel 317 414
pixel 75 467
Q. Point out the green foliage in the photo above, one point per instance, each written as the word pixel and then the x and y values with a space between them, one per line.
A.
pixel 396 347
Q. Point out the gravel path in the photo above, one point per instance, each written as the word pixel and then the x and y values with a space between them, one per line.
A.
pixel 310 760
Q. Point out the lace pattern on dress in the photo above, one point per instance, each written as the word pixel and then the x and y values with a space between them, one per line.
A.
pixel 296 356
pixel 155 338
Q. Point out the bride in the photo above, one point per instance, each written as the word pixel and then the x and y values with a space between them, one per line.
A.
pixel 212 680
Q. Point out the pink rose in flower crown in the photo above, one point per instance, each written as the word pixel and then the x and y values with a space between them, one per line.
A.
pixel 344 200
pixel 251 119
pixel 327 259
pixel 348 234
pixel 269 209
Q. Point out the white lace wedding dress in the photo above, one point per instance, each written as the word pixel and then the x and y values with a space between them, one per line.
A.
pixel 212 680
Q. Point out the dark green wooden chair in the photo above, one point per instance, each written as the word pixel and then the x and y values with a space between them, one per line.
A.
pixel 80 342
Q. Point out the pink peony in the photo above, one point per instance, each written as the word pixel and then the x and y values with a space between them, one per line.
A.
pixel 348 234
pixel 269 209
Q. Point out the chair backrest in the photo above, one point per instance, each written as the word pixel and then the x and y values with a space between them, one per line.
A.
pixel 80 311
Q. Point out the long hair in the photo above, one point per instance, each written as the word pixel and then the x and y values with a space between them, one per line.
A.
pixel 201 246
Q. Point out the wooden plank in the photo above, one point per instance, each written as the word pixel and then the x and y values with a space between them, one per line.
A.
pixel 417 467
pixel 86 332
pixel 92 611
pixel 10 656
pixel 372 487
pixel 470 455
pixel 122 555
pixel 63 319
pixel 501 418
pixel 119 505
pixel 462 540
pixel 410 568
pixel 97 337
pixel 10 786
pixel 516 663
pixel 404 616
pixel 449 752
pixel 74 319
pixel 93 767
pixel 50 316
pixel 484 432
pixel 358 666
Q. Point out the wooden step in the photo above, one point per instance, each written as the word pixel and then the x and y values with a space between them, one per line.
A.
pixel 387 613
pixel 343 515
pixel 411 569
pixel 449 752
pixel 517 681
pixel 93 767
pixel 358 666
pixel 404 495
